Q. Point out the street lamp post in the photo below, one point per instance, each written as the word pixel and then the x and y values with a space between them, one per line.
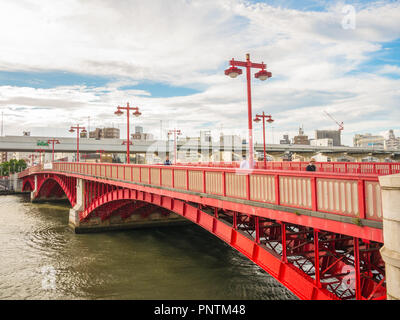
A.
pixel 136 114
pixel 175 132
pixel 53 141
pixel 40 155
pixel 129 144
pixel 32 156
pixel 263 74
pixel 100 151
pixel 77 138
pixel 264 118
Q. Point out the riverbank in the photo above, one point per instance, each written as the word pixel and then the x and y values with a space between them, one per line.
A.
pixel 11 192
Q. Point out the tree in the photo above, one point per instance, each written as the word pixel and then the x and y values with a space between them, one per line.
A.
pixel 12 166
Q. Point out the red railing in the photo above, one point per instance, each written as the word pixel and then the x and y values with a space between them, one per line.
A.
pixel 352 195
pixel 379 168
pixel 30 170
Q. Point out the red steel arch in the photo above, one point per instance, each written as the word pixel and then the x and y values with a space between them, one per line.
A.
pixel 309 262
pixel 67 185
pixel 301 285
pixel 28 182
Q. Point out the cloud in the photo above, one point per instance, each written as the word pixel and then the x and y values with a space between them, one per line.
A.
pixel 314 61
pixel 389 69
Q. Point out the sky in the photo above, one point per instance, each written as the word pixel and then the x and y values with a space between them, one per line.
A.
pixel 72 62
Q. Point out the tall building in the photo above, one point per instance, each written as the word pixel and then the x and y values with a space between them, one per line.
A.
pixel 328 142
pixel 138 129
pixel 205 136
pixel 301 138
pixel 329 134
pixel 230 140
pixel 111 133
pixel 4 156
pixel 285 139
pixel 392 142
pixel 142 136
pixel 368 141
pixel 106 133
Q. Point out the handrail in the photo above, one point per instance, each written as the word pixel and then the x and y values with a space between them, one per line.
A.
pixel 380 168
pixel 350 194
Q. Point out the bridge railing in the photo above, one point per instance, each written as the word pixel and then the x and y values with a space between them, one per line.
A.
pixel 380 168
pixel 353 195
pixel 30 170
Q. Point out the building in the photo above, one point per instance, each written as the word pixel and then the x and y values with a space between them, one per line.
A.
pixel 142 136
pixel 327 142
pixel 368 141
pixel 285 139
pixel 138 129
pixel 111 133
pixel 301 138
pixel 392 142
pixel 105 133
pixel 335 135
pixel 205 136
pixel 230 140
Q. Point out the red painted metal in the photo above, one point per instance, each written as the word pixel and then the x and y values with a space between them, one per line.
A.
pixel 53 141
pixel 175 132
pixel 262 75
pixel 40 151
pixel 382 168
pixel 77 128
pixel 136 113
pixel 264 118
pixel 315 258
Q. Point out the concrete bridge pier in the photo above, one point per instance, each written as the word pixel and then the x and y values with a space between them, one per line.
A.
pixel 35 187
pixel 390 186
pixel 79 206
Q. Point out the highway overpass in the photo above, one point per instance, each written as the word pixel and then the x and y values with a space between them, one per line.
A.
pixel 68 145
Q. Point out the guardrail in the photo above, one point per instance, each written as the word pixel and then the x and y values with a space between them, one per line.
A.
pixel 30 170
pixel 379 168
pixel 354 195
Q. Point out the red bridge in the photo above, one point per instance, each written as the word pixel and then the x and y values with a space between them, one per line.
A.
pixel 317 233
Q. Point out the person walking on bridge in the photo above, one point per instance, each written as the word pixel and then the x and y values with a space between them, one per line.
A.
pixel 311 166
pixel 167 162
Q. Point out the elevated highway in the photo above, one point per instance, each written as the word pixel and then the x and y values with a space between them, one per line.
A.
pixel 68 145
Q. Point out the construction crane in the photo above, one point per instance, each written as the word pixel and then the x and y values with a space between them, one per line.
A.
pixel 339 124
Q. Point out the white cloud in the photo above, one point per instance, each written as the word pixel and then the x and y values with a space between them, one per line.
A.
pixel 389 69
pixel 188 43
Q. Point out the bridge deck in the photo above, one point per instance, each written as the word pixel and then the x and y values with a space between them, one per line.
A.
pixel 306 229
pixel 333 199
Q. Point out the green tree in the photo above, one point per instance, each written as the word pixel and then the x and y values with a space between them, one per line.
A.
pixel 12 166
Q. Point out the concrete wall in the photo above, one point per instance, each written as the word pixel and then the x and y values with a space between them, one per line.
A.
pixel 390 252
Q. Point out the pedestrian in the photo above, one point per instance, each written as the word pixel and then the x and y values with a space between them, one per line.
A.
pixel 167 162
pixel 245 164
pixel 311 166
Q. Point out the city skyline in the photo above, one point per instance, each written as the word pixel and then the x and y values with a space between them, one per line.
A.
pixel 73 66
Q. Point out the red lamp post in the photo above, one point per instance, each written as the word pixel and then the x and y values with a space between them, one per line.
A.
pixel 264 118
pixel 77 138
pixel 136 114
pixel 32 156
pixel 40 155
pixel 53 141
pixel 263 74
pixel 100 151
pixel 175 132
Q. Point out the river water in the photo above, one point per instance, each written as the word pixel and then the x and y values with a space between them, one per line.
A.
pixel 42 258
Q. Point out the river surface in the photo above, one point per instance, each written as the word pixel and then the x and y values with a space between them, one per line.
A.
pixel 42 258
